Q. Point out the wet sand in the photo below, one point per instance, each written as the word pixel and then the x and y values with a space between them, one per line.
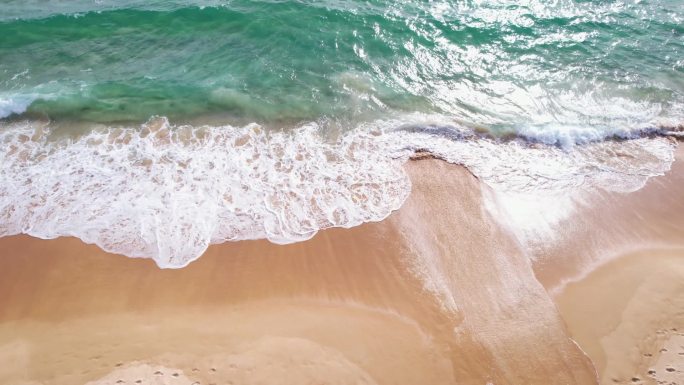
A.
pixel 403 301
pixel 617 275
pixel 628 315
pixel 441 292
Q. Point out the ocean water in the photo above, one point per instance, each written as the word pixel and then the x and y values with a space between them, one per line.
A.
pixel 156 128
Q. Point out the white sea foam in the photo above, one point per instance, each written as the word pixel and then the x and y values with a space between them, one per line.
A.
pixel 166 192
pixel 16 104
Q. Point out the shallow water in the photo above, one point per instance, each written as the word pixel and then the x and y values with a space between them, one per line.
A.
pixel 525 67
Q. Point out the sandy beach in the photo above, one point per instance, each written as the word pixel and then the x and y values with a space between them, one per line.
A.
pixel 239 192
pixel 441 292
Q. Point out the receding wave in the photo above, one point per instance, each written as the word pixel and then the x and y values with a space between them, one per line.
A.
pixel 167 192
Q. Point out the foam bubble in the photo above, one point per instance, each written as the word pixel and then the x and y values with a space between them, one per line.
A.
pixel 167 193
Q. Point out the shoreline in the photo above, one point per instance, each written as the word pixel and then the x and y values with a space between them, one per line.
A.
pixel 169 192
pixel 452 299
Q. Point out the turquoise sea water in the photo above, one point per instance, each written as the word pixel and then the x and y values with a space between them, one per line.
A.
pixel 498 64
pixel 156 128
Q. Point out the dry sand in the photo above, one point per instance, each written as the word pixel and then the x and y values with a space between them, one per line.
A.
pixel 438 293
